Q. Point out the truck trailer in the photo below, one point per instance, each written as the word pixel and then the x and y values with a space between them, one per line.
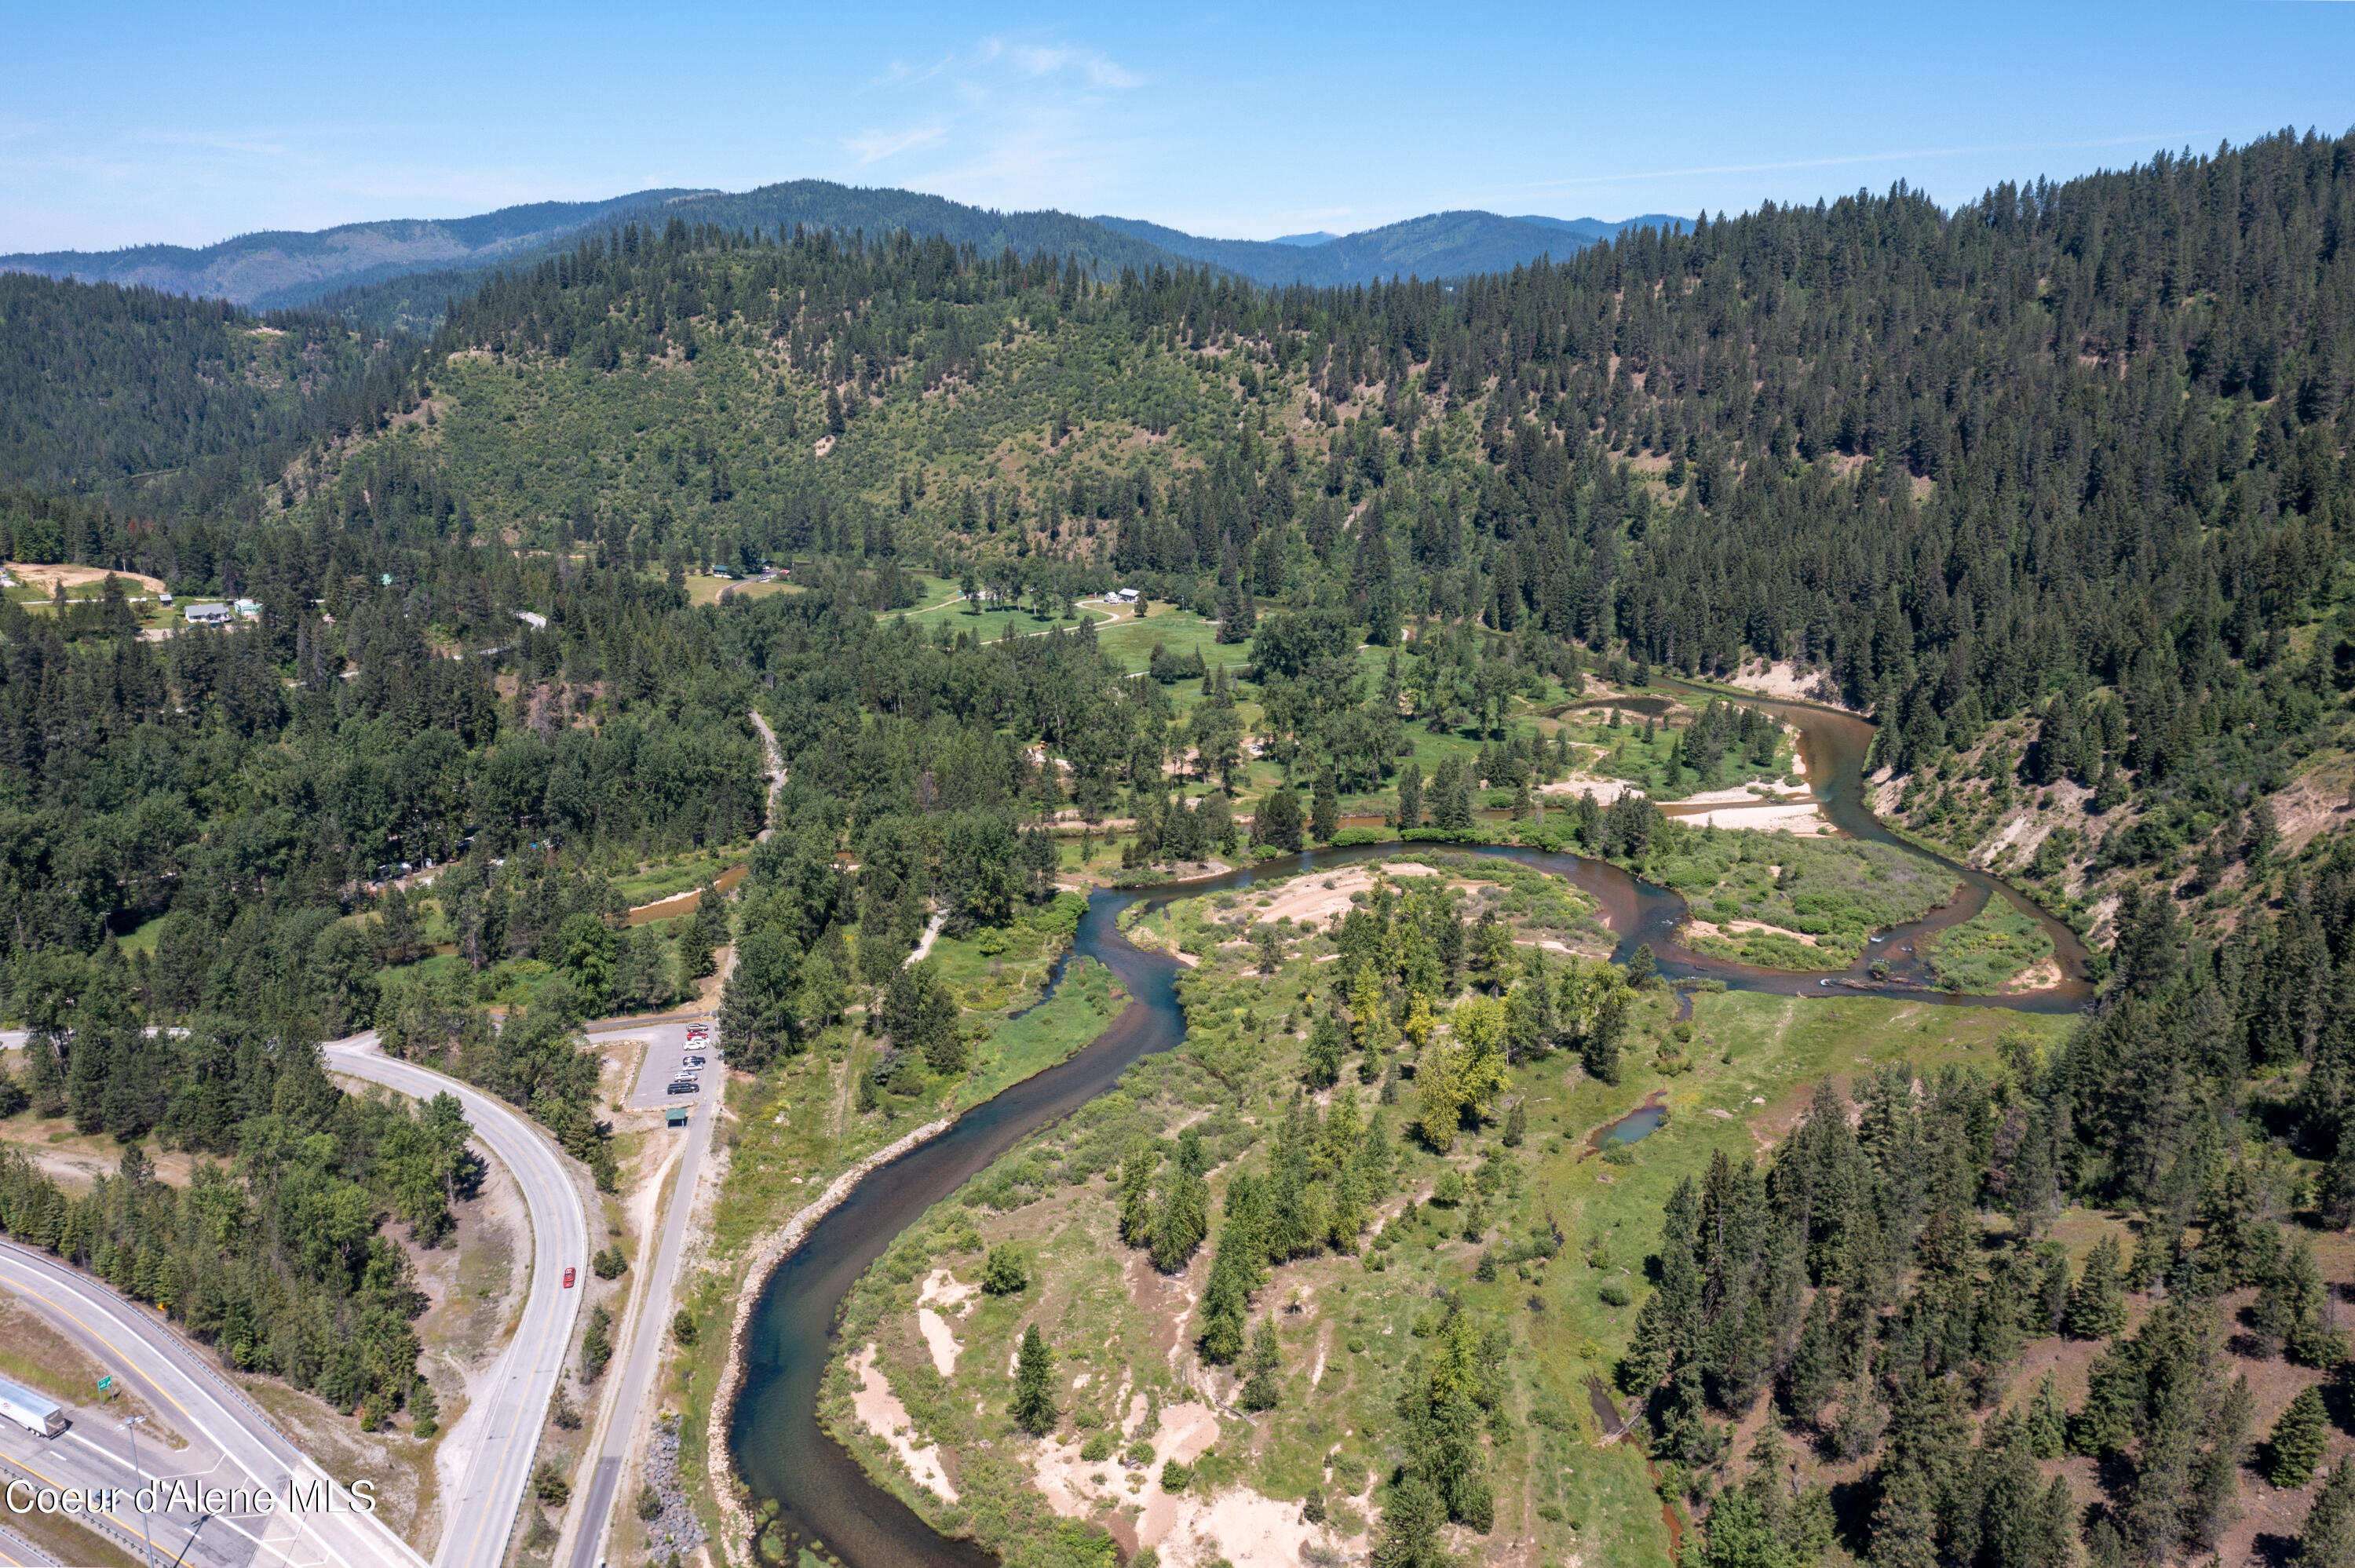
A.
pixel 41 1417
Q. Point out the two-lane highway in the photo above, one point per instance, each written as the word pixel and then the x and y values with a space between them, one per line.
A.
pixel 481 1514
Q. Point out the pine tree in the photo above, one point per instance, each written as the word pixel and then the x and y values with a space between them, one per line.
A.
pixel 2097 1307
pixel 1740 1536
pixel 2053 1288
pixel 1182 1217
pixel 1815 1363
pixel 1324 816
pixel 1137 1170
pixel 2047 1427
pixel 2292 1309
pixel 1410 796
pixel 1411 1520
pixel 2329 1538
pixel 1329 1043
pixel 2114 1398
pixel 1275 824
pixel 1905 1524
pixel 1237 1269
pixel 936 1032
pixel 1262 1387
pixel 596 1343
pixel 2300 1440
pixel 1034 1384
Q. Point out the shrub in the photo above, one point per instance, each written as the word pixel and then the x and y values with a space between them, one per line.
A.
pixel 610 1263
pixel 682 1327
pixel 1175 1478
pixel 547 1483
pixel 649 1503
pixel 1097 1449
pixel 1139 1454
pixel 1615 1295
pixel 1004 1273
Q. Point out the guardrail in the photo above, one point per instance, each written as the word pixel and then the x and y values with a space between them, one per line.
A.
pixel 173 1336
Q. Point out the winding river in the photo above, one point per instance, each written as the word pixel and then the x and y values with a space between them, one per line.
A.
pixel 825 1500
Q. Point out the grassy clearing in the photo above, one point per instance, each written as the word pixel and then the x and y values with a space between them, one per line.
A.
pixel 663 879
pixel 1086 1001
pixel 1610 743
pixel 1985 952
pixel 1182 633
pixel 143 938
pixel 1838 891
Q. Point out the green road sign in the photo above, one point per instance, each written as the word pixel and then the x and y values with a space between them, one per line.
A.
pixel 105 1383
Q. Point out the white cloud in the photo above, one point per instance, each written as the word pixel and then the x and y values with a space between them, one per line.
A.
pixel 874 146
pixel 1049 59
pixel 1008 120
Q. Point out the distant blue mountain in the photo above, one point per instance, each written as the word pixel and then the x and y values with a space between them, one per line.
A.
pixel 277 268
pixel 1437 245
pixel 399 272
pixel 1597 228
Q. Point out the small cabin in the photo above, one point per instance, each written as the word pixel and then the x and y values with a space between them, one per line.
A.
pixel 674 1116
pixel 210 614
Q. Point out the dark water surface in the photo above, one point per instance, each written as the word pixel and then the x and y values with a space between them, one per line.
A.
pixel 823 1498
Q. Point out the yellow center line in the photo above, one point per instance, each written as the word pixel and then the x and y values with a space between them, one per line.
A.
pixel 85 1490
pixel 129 1365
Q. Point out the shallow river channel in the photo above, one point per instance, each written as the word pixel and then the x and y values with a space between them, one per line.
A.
pixel 825 1499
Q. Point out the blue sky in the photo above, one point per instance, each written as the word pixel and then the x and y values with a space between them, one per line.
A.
pixel 137 122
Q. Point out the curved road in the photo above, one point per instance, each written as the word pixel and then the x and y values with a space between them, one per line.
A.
pixel 481 1514
pixel 231 1446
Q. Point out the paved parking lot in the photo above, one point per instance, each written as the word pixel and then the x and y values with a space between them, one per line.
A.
pixel 666 1044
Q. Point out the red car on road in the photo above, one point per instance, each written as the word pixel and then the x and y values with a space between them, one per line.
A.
pixel 568 1278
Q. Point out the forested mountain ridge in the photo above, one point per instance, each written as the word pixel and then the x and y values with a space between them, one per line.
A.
pixel 187 404
pixel 399 272
pixel 2082 440
pixel 274 269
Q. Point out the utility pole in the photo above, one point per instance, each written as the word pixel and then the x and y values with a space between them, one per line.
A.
pixel 131 1424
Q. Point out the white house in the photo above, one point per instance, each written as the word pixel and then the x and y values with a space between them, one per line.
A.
pixel 210 614
pixel 1121 596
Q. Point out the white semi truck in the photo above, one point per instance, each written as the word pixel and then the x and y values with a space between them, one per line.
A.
pixel 41 1417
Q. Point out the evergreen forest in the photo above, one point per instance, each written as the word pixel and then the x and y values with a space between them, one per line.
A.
pixel 2053 487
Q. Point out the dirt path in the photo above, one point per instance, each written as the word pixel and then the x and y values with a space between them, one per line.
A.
pixel 776 774
pixel 932 930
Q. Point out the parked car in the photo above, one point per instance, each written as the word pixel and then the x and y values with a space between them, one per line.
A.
pixel 691 1061
pixel 685 1087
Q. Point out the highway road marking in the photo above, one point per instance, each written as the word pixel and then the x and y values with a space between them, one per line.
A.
pixel 301 1525
pixel 53 1485
pixel 227 1522
pixel 510 1436
pixel 128 1365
